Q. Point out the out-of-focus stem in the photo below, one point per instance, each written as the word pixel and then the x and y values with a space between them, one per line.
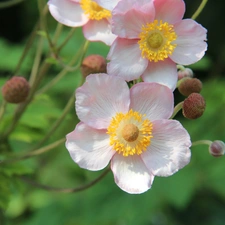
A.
pixel 199 9
pixel 202 142
pixel 10 3
pixel 2 109
pixel 67 190
pixel 66 39
pixel 177 108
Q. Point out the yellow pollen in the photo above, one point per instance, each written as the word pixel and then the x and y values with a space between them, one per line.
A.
pixel 94 11
pixel 156 41
pixel 130 133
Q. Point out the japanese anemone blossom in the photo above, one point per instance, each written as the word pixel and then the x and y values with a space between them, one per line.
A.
pixel 130 127
pixel 87 13
pixel 152 38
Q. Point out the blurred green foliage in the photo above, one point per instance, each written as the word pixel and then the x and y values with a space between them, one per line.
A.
pixel 194 195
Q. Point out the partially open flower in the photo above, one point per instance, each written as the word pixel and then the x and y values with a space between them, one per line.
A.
pixel 194 106
pixel 93 64
pixel 16 90
pixel 217 148
pixel 188 86
pixel 130 128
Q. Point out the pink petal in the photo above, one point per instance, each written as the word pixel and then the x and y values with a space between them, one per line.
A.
pixel 191 45
pixel 126 60
pixel 170 11
pixel 89 147
pixel 67 12
pixel 152 99
pixel 130 174
pixel 107 4
pixel 100 98
pixel 99 30
pixel 129 17
pixel 163 72
pixel 169 149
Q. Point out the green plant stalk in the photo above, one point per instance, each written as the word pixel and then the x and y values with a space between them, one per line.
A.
pixel 202 142
pixel 67 190
pixel 7 4
pixel 2 109
pixel 199 9
pixel 58 31
pixel 177 108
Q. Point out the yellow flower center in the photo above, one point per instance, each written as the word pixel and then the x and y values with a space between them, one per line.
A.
pixel 156 40
pixel 94 11
pixel 130 133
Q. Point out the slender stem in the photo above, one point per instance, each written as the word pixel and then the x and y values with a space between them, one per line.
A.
pixel 35 152
pixel 199 9
pixel 67 190
pixel 58 122
pixel 58 31
pixel 177 108
pixel 9 3
pixel 2 109
pixel 202 142
pixel 66 39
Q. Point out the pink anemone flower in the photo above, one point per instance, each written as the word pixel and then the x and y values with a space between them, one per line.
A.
pixel 94 19
pixel 129 127
pixel 152 39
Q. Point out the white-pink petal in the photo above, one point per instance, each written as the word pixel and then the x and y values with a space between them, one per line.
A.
pixel 128 19
pixel 153 100
pixel 100 98
pixel 67 12
pixel 162 72
pixel 89 147
pixel 126 60
pixel 169 149
pixel 171 11
pixel 107 4
pixel 130 174
pixel 99 30
pixel 191 45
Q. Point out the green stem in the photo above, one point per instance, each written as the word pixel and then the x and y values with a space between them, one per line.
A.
pixel 35 152
pixel 199 9
pixel 202 142
pixel 58 31
pixel 7 4
pixel 67 190
pixel 2 109
pixel 177 108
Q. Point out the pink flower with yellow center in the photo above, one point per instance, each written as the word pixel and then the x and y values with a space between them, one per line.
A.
pixel 152 39
pixel 129 127
pixel 94 19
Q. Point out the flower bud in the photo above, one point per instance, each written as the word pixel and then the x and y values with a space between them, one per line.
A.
pixel 189 85
pixel 217 148
pixel 16 90
pixel 93 64
pixel 193 106
pixel 186 72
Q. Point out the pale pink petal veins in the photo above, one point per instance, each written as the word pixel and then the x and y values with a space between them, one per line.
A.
pixel 126 60
pixel 89 147
pixel 128 19
pixel 99 30
pixel 191 45
pixel 153 100
pixel 169 149
pixel 107 4
pixel 170 11
pixel 100 98
pixel 67 12
pixel 130 174
pixel 162 72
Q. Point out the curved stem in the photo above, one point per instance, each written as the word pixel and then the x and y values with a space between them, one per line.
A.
pixel 66 39
pixel 35 152
pixel 202 142
pixel 177 108
pixel 67 190
pixel 2 109
pixel 199 9
pixel 7 4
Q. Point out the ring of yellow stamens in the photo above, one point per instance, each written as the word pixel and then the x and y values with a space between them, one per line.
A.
pixel 156 41
pixel 94 11
pixel 130 133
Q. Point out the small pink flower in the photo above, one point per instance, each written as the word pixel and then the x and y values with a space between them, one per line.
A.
pixel 87 13
pixel 152 38
pixel 129 127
